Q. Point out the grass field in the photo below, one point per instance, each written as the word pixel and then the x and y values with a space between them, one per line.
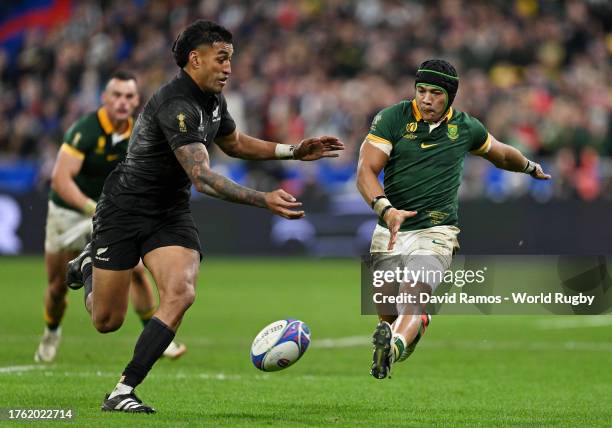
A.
pixel 468 371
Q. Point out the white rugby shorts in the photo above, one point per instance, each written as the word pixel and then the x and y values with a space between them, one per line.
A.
pixel 60 222
pixel 428 249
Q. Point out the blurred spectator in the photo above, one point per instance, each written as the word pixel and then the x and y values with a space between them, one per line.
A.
pixel 538 72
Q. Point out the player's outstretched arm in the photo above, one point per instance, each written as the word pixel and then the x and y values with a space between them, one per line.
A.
pixel 507 157
pixel 244 146
pixel 194 160
pixel 371 161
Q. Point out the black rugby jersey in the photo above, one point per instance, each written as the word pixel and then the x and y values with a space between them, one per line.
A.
pixel 151 180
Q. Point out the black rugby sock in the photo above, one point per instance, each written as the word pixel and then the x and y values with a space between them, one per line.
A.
pixel 154 339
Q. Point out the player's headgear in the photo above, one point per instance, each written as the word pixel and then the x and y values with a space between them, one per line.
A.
pixel 198 33
pixel 439 73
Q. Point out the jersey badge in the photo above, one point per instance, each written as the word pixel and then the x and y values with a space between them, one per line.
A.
pixel 452 131
pixel 181 122
pixel 410 128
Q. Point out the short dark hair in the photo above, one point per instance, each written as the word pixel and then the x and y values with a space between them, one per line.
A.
pixel 198 33
pixel 122 75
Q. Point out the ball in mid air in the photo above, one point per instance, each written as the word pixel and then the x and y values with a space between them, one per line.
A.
pixel 280 344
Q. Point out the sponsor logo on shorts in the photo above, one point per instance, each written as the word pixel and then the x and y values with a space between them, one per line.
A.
pixel 102 251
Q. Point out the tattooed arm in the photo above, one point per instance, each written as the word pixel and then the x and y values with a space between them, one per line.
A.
pixel 194 160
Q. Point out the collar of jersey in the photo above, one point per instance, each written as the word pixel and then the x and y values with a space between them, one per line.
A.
pixel 417 113
pixel 206 97
pixel 107 125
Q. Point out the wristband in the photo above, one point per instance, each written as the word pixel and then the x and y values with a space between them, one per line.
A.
pixel 384 211
pixel 530 167
pixel 376 199
pixel 89 208
pixel 284 151
pixel 381 205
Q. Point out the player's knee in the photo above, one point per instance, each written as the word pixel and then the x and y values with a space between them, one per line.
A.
pixel 187 296
pixel 183 296
pixel 107 323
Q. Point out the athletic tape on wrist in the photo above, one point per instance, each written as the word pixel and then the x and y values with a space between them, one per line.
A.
pixel 381 205
pixel 284 151
pixel 376 199
pixel 384 211
pixel 530 167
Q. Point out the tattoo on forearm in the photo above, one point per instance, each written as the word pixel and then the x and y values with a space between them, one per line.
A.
pixel 194 159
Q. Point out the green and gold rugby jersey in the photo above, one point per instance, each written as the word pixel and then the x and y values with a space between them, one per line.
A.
pixel 92 138
pixel 424 169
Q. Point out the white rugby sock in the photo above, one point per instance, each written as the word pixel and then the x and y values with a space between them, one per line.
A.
pixel 121 389
pixel 398 346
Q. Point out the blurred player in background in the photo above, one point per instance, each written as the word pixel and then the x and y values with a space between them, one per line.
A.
pixel 92 148
pixel 421 144
pixel 144 211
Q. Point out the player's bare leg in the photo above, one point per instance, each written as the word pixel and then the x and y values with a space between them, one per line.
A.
pixel 108 300
pixel 175 270
pixel 145 305
pixel 141 294
pixel 55 304
pixel 410 324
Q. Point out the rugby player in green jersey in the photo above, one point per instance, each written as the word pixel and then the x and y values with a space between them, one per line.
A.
pixel 421 145
pixel 92 147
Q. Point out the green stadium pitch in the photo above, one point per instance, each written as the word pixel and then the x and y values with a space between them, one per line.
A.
pixel 468 370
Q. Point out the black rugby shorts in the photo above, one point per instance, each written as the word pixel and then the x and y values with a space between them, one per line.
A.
pixel 120 239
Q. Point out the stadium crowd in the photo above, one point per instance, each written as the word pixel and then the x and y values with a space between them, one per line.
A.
pixel 537 73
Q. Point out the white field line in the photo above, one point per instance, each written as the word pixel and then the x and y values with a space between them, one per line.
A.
pixel 21 369
pixel 342 342
pixel 51 371
pixel 574 322
pixel 481 345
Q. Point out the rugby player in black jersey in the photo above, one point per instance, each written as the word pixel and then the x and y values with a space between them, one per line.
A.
pixel 144 208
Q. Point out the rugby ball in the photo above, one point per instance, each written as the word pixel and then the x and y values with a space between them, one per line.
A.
pixel 280 345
